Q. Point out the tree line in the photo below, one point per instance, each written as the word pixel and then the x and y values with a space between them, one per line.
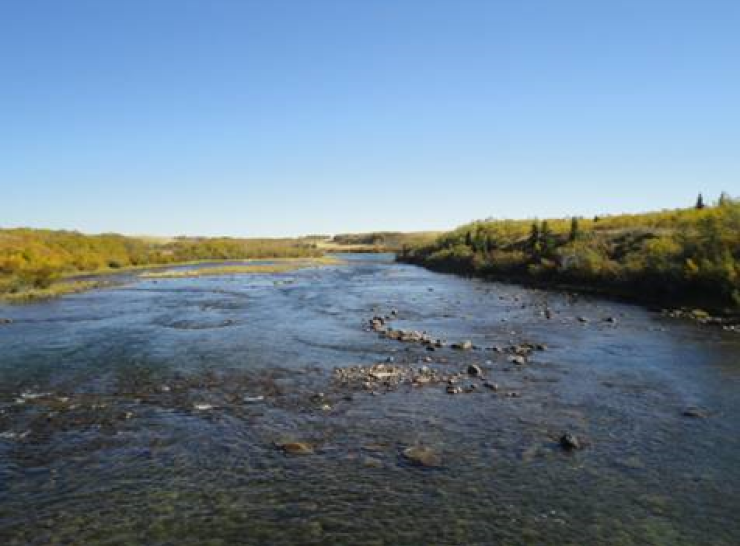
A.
pixel 34 258
pixel 687 255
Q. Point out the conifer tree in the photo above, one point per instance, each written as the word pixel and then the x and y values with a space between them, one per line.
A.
pixel 547 242
pixel 534 237
pixel 574 229
pixel 700 202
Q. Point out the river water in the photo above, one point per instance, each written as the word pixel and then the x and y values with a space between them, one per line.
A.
pixel 151 413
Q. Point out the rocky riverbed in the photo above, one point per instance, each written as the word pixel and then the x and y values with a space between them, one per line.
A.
pixel 369 403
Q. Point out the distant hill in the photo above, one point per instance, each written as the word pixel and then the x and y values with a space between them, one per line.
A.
pixel 377 241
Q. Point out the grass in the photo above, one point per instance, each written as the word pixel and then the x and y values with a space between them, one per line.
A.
pixel 56 290
pixel 330 246
pixel 281 266
pixel 65 287
pixel 380 241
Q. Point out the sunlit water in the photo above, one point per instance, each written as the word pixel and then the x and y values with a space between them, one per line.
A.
pixel 150 413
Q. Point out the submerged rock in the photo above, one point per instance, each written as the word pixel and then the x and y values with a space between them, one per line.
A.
pixel 296 448
pixel 6 321
pixel 463 345
pixel 695 413
pixel 377 324
pixel 422 456
pixel 385 376
pixel 372 462
pixel 518 360
pixel 569 441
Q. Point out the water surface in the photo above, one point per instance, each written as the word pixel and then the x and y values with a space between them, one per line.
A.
pixel 150 413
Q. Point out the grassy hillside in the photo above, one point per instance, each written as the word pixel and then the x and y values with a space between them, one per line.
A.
pixel 34 259
pixel 686 256
pixel 378 241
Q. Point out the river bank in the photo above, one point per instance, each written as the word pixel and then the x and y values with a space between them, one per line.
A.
pixel 74 283
pixel 692 306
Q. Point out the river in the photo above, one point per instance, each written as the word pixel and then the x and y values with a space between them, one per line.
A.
pixel 154 413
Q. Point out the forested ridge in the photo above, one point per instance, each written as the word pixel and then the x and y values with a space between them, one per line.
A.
pixel 684 256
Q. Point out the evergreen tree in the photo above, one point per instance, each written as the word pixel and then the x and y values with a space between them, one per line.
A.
pixel 547 241
pixel 490 244
pixel 700 202
pixel 574 229
pixel 534 237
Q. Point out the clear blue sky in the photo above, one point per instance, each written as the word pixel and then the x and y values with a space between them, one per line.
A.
pixel 281 117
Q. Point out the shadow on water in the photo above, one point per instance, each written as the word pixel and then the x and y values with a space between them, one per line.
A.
pixel 209 411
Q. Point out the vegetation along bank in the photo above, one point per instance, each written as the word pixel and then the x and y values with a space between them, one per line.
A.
pixel 678 257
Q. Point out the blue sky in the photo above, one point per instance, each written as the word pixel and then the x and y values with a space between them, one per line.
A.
pixel 282 117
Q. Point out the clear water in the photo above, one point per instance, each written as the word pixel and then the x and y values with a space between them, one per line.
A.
pixel 132 416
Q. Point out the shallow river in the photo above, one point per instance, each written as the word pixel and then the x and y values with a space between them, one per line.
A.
pixel 152 413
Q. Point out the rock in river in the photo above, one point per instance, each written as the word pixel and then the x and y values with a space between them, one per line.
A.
pixel 475 370
pixel 569 441
pixel 422 456
pixel 463 345
pixel 696 413
pixel 518 360
pixel 296 448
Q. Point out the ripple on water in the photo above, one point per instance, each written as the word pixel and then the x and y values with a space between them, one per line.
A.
pixel 156 424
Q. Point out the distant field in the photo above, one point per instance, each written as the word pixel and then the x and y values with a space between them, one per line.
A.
pixel 380 241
